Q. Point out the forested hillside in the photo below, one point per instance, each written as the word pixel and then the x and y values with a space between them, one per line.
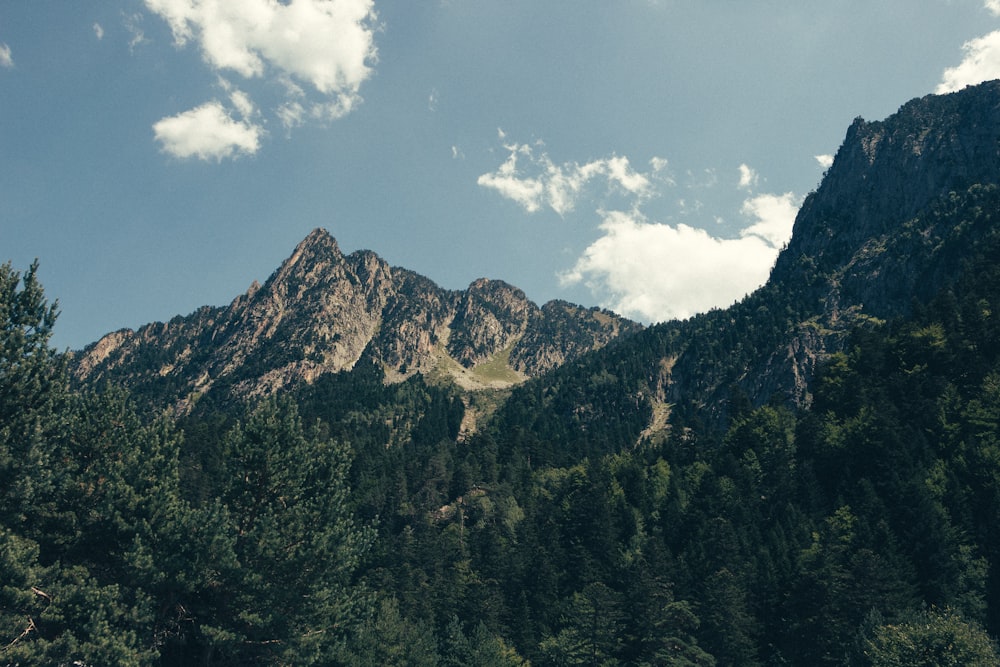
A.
pixel 810 477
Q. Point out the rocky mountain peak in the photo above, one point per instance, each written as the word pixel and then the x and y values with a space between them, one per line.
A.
pixel 318 241
pixel 877 236
pixel 490 316
pixel 323 312
pixel 885 172
pixel 313 259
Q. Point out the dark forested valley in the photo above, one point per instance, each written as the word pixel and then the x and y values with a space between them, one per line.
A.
pixel 809 477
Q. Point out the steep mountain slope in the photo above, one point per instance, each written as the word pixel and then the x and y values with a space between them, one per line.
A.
pixel 904 202
pixel 867 229
pixel 322 312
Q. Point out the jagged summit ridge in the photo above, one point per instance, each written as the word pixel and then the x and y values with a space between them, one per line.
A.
pixel 322 311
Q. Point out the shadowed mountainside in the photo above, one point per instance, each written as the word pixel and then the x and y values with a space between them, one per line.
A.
pixel 902 207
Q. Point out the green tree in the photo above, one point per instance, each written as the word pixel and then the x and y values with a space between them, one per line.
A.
pixel 291 598
pixel 659 629
pixel 481 648
pixel 33 392
pixel 82 484
pixel 764 440
pixel 61 615
pixel 387 638
pixel 931 638
pixel 592 634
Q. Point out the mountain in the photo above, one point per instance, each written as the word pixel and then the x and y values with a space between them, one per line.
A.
pixel 871 229
pixel 324 312
pixel 874 239
pixel 810 477
pixel 905 203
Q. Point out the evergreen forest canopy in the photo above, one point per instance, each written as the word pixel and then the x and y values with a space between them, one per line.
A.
pixel 353 521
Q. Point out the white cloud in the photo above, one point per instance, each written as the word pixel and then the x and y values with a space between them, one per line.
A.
pixel 527 192
pixel 333 109
pixel 993 6
pixel 291 114
pixel 981 62
pixel 207 132
pixel 748 178
pixel 826 160
pixel 648 270
pixel 619 171
pixel 774 214
pixel 241 101
pixel 535 181
pixel 98 31
pixel 325 43
pixel 659 166
pixel 6 59
pixel 325 46
pixel 656 272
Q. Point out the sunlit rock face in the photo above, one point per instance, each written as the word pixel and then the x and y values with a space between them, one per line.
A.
pixel 323 312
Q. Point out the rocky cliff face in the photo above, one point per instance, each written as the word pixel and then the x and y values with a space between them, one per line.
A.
pixel 323 311
pixel 887 227
pixel 884 178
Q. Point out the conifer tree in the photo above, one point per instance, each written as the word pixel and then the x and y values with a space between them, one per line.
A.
pixel 290 597
pixel 33 390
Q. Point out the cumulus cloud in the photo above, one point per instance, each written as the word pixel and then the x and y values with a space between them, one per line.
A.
pixel 98 31
pixel 648 270
pixel 325 43
pixel 291 114
pixel 534 181
pixel 506 180
pixel 6 59
pixel 656 272
pixel 658 164
pixel 319 51
pixel 620 172
pixel 774 215
pixel 981 63
pixel 993 6
pixel 208 132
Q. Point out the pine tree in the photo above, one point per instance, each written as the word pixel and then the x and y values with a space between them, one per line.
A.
pixel 291 597
pixel 33 391
pixel 72 502
pixel 592 634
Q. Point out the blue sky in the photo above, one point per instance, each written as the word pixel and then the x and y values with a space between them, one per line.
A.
pixel 646 156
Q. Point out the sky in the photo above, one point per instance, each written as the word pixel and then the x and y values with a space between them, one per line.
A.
pixel 646 156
